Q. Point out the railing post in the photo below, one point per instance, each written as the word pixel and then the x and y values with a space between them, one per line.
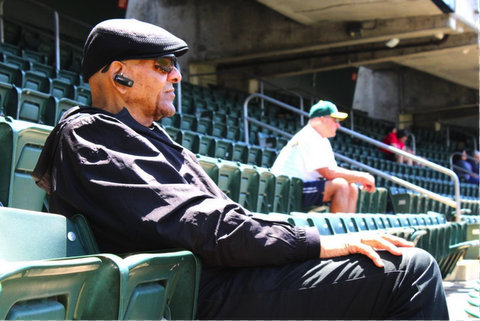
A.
pixel 57 40
pixel 2 30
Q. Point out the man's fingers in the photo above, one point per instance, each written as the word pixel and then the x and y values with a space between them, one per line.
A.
pixel 381 244
pixel 398 241
pixel 368 251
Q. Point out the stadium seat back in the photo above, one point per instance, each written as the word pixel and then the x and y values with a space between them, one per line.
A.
pixel 22 142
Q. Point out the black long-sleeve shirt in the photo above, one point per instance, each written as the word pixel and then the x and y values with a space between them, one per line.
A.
pixel 141 191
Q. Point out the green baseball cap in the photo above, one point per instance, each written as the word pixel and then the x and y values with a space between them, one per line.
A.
pixel 326 108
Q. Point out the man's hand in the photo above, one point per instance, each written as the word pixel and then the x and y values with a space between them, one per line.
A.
pixel 368 182
pixel 362 243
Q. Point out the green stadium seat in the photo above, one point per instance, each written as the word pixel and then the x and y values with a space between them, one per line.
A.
pixel 18 62
pixel 174 133
pixel 8 99
pixel 268 157
pixel 234 133
pixel 296 195
pixel 48 289
pixel 229 180
pixel 10 49
pixel 83 95
pixel 33 105
pixel 254 155
pixel 207 145
pixel 249 184
pixel 46 70
pixel 401 202
pixel 223 149
pixel 173 121
pixel 319 221
pixel 36 81
pixel 204 126
pixel 240 152
pixel 219 130
pixel 382 199
pixel 67 76
pixel 34 56
pixel 188 122
pixel 336 224
pixel 139 286
pixel 52 117
pixel 191 141
pixel 363 201
pixel 11 75
pixel 282 194
pixel 62 89
pixel 21 143
pixel 266 191
pixel 210 165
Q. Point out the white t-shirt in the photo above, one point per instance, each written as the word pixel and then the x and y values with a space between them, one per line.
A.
pixel 306 152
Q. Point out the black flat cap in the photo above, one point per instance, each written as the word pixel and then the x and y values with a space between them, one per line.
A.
pixel 122 39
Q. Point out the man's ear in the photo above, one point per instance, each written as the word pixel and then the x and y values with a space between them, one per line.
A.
pixel 116 69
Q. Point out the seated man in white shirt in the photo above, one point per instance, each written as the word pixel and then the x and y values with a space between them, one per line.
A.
pixel 309 156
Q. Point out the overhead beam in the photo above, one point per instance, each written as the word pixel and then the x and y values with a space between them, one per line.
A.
pixel 343 34
pixel 347 57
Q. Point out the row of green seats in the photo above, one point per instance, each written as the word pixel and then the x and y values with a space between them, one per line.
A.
pixel 52 269
pixel 255 188
pixel 375 202
pixel 223 148
pixel 34 106
pixel 446 241
pixel 61 86
pixel 405 201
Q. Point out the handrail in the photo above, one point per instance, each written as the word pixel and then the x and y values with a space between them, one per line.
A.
pixel 2 30
pixel 456 204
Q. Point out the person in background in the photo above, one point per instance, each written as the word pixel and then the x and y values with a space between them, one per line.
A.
pixel 397 138
pixel 475 162
pixel 463 167
pixel 309 156
pixel 141 191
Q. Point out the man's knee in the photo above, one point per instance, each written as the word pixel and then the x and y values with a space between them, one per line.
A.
pixel 353 190
pixel 340 186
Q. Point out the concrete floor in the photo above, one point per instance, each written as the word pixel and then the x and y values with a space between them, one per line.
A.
pixel 458 286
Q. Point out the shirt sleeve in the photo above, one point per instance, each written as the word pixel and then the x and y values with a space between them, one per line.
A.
pixel 136 198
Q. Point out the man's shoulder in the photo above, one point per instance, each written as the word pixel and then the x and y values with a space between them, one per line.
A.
pixel 81 116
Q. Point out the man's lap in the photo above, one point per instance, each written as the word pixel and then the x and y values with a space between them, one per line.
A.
pixel 346 287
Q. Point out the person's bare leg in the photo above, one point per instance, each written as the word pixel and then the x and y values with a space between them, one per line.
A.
pixel 337 192
pixel 352 206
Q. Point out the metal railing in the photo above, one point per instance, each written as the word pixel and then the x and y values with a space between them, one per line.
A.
pixel 445 200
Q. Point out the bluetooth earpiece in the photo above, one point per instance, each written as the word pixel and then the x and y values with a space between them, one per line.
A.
pixel 122 80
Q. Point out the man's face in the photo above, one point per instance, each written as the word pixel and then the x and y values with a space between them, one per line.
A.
pixel 152 94
pixel 326 126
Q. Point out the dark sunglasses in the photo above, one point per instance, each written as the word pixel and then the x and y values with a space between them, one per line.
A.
pixel 165 63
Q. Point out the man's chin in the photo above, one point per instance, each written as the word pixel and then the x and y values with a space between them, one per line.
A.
pixel 167 113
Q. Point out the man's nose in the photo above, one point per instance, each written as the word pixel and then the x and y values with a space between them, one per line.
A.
pixel 174 76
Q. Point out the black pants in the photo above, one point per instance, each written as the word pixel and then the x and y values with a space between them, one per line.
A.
pixel 408 287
